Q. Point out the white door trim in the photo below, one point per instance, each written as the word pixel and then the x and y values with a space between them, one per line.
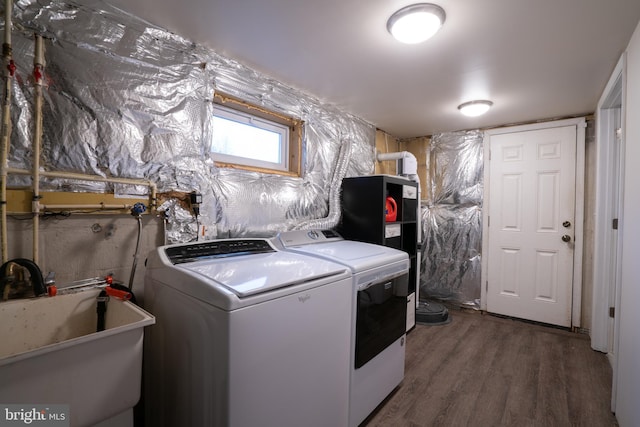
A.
pixel 602 237
pixel 604 268
pixel 580 124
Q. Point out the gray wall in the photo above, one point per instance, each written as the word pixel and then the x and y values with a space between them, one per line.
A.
pixel 628 375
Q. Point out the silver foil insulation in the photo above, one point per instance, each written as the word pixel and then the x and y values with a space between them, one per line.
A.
pixel 452 219
pixel 126 99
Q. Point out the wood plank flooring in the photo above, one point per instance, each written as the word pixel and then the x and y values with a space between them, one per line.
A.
pixel 482 370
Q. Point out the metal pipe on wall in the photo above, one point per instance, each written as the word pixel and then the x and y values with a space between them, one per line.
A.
pixel 93 206
pixel 95 178
pixel 38 70
pixel 9 69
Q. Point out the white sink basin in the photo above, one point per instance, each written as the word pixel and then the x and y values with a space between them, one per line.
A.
pixel 50 353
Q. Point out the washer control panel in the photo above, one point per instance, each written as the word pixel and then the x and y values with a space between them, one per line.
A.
pixel 216 249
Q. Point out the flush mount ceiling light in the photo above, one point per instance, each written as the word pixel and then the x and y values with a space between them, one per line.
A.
pixel 416 23
pixel 475 108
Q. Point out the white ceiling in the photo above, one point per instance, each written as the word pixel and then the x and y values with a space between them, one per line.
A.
pixel 535 59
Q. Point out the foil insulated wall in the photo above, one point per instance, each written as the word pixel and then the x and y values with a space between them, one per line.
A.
pixel 126 99
pixel 452 219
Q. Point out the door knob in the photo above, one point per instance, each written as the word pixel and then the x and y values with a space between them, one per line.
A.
pixel 566 238
pixel 566 224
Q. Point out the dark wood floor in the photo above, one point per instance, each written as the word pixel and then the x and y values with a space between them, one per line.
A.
pixel 482 370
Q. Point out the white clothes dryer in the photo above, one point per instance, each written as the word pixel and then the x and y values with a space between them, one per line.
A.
pixel 246 335
pixel 378 327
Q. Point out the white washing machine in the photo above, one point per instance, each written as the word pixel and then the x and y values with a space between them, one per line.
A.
pixel 378 326
pixel 246 336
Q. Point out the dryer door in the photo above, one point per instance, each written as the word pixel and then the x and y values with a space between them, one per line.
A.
pixel 381 316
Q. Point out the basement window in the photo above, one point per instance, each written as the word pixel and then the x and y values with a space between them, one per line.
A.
pixel 247 136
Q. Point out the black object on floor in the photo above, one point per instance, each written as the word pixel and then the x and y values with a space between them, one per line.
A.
pixel 432 313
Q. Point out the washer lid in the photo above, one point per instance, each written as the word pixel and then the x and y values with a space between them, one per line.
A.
pixel 253 274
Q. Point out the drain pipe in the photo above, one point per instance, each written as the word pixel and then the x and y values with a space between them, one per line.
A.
pixel 406 157
pixel 9 70
pixel 38 70
pixel 407 165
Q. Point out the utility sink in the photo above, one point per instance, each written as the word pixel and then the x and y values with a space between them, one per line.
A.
pixel 50 353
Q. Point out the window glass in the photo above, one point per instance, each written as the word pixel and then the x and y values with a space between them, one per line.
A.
pixel 241 138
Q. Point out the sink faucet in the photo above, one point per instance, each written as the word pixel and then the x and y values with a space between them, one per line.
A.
pixel 12 277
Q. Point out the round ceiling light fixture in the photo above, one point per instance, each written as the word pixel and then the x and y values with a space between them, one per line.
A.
pixel 475 108
pixel 416 23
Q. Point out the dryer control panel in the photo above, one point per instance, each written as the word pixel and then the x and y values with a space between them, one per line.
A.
pixel 216 249
pixel 305 237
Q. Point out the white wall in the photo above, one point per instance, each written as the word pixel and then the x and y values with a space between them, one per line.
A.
pixel 628 373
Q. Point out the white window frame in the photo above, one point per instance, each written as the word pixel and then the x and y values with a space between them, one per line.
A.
pixel 260 123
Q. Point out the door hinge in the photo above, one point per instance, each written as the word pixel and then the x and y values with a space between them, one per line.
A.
pixel 486 286
pixel 488 221
pixel 612 312
pixel 614 223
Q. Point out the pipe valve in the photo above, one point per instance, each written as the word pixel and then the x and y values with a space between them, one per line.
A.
pixel 138 209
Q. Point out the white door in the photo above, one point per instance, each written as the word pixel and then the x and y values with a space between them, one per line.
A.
pixel 531 224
